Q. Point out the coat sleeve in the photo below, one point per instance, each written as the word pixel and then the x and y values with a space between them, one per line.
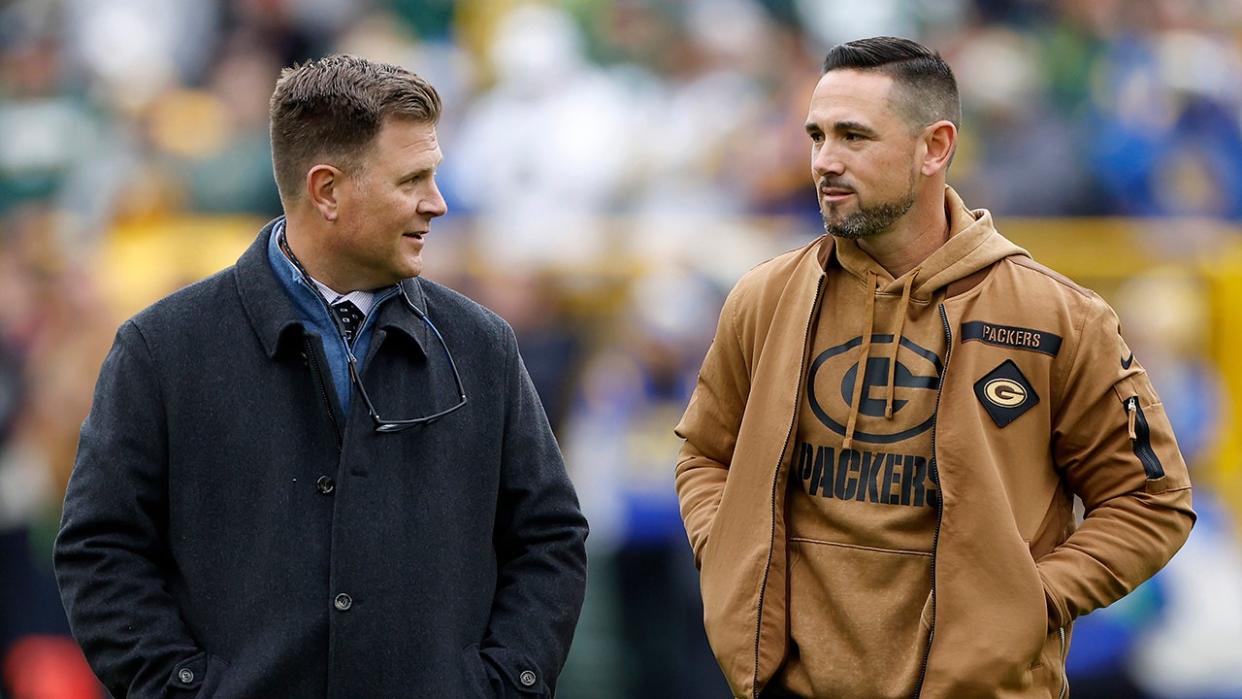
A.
pixel 710 427
pixel 110 556
pixel 540 548
pixel 1115 444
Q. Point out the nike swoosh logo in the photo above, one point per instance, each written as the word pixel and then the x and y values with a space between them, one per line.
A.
pixel 1127 361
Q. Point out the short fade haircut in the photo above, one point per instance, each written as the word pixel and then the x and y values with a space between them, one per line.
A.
pixel 331 109
pixel 928 90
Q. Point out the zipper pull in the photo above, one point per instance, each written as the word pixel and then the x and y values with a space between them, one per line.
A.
pixel 1132 409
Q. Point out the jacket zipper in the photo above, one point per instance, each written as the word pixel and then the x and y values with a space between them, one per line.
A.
pixel 1064 671
pixel 763 587
pixel 313 357
pixel 935 474
pixel 1140 437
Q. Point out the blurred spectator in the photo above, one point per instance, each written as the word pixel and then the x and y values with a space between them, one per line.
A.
pixel 219 135
pixel 547 146
pixel 53 334
pixel 620 444
pixel 1165 136
pixel 551 345
pixel 613 164
pixel 1021 155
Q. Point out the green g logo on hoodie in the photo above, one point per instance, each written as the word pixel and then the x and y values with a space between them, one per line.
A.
pixel 876 374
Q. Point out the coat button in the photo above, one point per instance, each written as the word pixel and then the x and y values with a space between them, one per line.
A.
pixel 325 485
pixel 343 602
pixel 527 678
pixel 186 675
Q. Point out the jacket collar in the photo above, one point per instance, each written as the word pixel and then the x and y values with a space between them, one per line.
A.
pixel 396 314
pixel 275 318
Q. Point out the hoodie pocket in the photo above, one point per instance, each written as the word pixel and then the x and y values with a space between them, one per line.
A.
pixel 859 616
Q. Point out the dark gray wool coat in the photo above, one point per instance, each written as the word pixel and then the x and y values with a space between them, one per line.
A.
pixel 225 534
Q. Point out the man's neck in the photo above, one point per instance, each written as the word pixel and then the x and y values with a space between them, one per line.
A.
pixel 308 257
pixel 918 234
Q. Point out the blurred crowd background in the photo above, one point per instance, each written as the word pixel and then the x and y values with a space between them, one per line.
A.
pixel 611 168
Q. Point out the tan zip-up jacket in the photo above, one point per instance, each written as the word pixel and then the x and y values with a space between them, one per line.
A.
pixel 1011 570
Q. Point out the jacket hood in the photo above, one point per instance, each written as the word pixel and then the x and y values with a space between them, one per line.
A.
pixel 973 245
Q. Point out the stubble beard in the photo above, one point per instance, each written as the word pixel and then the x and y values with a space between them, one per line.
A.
pixel 870 221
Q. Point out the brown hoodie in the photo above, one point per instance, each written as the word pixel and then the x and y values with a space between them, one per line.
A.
pixel 856 589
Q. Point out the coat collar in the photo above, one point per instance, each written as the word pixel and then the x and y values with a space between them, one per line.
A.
pixel 276 320
pixel 396 314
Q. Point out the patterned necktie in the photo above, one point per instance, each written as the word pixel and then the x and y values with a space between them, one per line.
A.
pixel 350 317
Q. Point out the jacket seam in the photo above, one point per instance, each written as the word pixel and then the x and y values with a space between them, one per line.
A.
pixel 1069 368
pixel 860 547
pixel 974 291
pixel 163 406
pixel 737 334
pixel 1039 269
pixel 1062 611
pixel 146 346
pixel 791 256
pixel 253 321
pixel 510 352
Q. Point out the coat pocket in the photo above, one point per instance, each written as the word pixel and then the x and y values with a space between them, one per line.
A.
pixel 198 676
pixel 474 677
pixel 499 673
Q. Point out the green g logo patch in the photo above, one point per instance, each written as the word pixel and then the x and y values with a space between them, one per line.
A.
pixel 1005 393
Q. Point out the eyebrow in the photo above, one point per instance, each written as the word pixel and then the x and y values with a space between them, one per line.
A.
pixel 812 127
pixel 422 171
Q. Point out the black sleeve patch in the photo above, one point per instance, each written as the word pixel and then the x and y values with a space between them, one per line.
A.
pixel 1005 393
pixel 1010 336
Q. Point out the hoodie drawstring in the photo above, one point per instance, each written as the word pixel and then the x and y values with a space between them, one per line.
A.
pixel 865 354
pixel 892 357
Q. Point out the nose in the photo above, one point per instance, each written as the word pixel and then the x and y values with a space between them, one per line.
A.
pixel 825 162
pixel 433 204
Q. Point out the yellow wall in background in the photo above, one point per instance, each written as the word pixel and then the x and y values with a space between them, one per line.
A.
pixel 142 262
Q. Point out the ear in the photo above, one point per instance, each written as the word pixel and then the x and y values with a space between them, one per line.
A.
pixel 323 189
pixel 939 143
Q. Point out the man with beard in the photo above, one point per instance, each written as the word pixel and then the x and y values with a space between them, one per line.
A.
pixel 887 434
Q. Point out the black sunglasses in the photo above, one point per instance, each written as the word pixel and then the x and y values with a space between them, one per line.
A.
pixel 381 424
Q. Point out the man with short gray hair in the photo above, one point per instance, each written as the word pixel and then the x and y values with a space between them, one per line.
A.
pixel 314 473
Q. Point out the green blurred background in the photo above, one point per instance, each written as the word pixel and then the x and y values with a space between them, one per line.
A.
pixel 611 168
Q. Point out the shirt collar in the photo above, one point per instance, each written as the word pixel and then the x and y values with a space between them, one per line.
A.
pixel 363 299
